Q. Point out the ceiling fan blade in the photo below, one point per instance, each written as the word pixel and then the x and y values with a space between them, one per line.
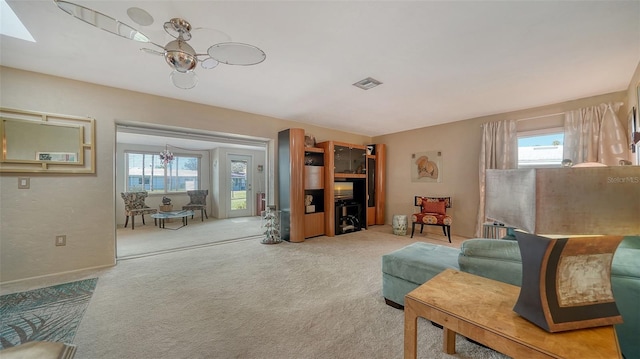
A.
pixel 208 36
pixel 151 51
pixel 236 53
pixel 101 21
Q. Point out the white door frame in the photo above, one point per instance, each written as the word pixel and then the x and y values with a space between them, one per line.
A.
pixel 248 211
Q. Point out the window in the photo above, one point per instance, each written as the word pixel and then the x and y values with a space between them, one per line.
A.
pixel 145 172
pixel 540 148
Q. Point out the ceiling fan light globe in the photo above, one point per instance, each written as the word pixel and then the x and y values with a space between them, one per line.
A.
pixel 180 55
pixel 180 60
pixel 184 80
pixel 180 45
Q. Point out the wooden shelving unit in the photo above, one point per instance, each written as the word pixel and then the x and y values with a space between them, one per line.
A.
pixel 379 183
pixel 291 184
pixel 307 203
pixel 314 182
pixel 368 180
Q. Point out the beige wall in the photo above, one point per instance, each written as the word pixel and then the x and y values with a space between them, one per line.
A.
pixel 460 146
pixel 84 206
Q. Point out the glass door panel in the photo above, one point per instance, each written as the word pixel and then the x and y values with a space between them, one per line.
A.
pixel 240 193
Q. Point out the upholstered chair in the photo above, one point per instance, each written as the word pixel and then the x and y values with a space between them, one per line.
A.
pixel 134 205
pixel 433 212
pixel 198 201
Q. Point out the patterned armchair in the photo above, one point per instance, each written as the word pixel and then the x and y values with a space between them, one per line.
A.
pixel 198 201
pixel 134 205
pixel 433 212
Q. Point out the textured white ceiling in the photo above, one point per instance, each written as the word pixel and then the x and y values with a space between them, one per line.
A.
pixel 439 61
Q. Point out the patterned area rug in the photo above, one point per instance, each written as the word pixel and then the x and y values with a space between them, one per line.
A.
pixel 45 314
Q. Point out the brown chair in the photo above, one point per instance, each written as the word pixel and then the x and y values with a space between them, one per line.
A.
pixel 134 205
pixel 198 201
pixel 433 212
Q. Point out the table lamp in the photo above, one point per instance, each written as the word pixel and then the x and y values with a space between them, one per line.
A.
pixel 570 223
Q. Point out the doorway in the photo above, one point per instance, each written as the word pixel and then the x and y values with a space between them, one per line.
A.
pixel 149 239
pixel 240 185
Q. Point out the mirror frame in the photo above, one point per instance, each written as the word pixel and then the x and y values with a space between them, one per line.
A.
pixel 86 157
pixel 635 130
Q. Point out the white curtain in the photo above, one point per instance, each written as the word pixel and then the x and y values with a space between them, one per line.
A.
pixel 595 134
pixel 499 150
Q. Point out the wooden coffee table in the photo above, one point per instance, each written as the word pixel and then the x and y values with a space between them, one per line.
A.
pixel 482 309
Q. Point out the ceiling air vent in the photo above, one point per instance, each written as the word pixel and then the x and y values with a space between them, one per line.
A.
pixel 367 83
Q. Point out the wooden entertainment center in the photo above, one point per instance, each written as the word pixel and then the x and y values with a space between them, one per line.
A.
pixel 341 188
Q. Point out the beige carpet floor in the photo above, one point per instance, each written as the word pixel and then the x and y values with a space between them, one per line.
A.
pixel 242 299
pixel 149 239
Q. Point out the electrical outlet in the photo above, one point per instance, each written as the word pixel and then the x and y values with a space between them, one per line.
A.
pixel 61 240
pixel 23 183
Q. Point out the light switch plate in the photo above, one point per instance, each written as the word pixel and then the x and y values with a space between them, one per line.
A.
pixel 23 183
pixel 61 240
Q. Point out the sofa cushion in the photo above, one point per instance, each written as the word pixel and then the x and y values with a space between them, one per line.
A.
pixel 433 207
pixel 492 258
pixel 498 249
pixel 419 262
pixel 626 260
pixel 431 218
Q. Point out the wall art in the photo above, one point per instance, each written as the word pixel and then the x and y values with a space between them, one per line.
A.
pixel 426 166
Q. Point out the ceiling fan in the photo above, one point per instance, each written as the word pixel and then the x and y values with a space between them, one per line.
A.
pixel 180 56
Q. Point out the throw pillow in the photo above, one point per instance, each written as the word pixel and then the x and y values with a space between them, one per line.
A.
pixel 433 207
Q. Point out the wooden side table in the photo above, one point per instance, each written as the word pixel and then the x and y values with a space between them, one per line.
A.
pixel 481 309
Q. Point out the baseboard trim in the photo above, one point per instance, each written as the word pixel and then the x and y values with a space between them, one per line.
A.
pixel 44 276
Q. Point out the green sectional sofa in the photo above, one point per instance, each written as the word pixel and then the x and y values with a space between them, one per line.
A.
pixel 409 267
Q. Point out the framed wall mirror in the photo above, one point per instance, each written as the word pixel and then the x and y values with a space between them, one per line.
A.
pixel 42 142
pixel 635 130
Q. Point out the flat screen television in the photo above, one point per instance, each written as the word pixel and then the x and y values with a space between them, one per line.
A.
pixel 343 191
